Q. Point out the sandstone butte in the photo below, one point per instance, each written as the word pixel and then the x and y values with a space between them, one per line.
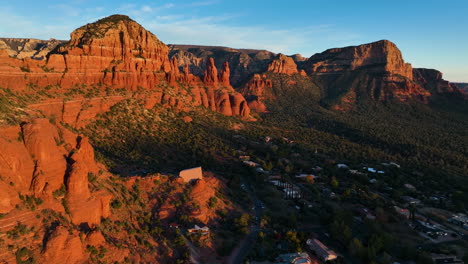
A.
pixel 384 73
pixel 375 70
pixel 117 52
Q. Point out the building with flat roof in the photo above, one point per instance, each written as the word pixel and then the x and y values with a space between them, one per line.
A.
pixel 446 259
pixel 323 252
pixel 294 258
pixel 189 175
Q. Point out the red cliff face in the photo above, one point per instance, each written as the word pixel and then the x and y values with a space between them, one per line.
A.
pixel 37 158
pixel 219 94
pixel 211 73
pixel 40 138
pixel 432 81
pixel 115 52
pixel 283 64
pixel 256 91
pixel 380 57
pixel 63 247
pixel 375 70
pixel 225 74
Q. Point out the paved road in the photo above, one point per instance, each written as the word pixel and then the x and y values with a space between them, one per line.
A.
pixel 194 254
pixel 242 250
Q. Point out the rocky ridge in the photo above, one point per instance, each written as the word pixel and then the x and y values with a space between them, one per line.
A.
pixel 117 52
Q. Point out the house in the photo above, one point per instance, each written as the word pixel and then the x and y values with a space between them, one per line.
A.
pixel 373 181
pixel 189 175
pixel 251 163
pixel 460 220
pixel 356 172
pixel 410 200
pixel 323 252
pixel 403 213
pixel 274 177
pixel 291 193
pixel 371 170
pixel 305 175
pixel 409 187
pixel 364 212
pixel 203 230
pixel 287 140
pixel 294 258
pixel 261 170
pixel 446 259
pixel 174 225
pixel 317 169
pixel 342 166
pixel 244 158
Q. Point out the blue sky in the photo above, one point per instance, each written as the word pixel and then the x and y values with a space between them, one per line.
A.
pixel 430 33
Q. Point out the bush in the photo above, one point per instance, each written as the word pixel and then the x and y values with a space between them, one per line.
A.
pixel 60 192
pixel 24 256
pixel 116 204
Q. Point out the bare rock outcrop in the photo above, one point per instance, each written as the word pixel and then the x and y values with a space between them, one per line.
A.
pixel 224 75
pixel 63 247
pixel 41 139
pixel 283 64
pixel 379 57
pixel 376 71
pixel 83 207
pixel 211 73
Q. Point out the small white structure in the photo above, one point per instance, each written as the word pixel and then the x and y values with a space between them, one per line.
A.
pixel 251 163
pixel 305 175
pixel 342 166
pixel 404 213
pixel 189 175
pixel 203 230
pixel 409 187
pixel 321 250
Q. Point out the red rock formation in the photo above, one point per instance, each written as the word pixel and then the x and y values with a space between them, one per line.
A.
pixel 40 139
pixel 95 239
pixel 202 191
pixel 211 73
pixel 63 247
pixel 375 70
pixel 258 86
pixel 432 80
pixel 83 208
pixel 174 73
pixel 224 75
pixel 256 91
pixel 113 52
pixel 239 105
pixel 37 164
pixel 188 78
pixel 283 64
pixel 380 57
